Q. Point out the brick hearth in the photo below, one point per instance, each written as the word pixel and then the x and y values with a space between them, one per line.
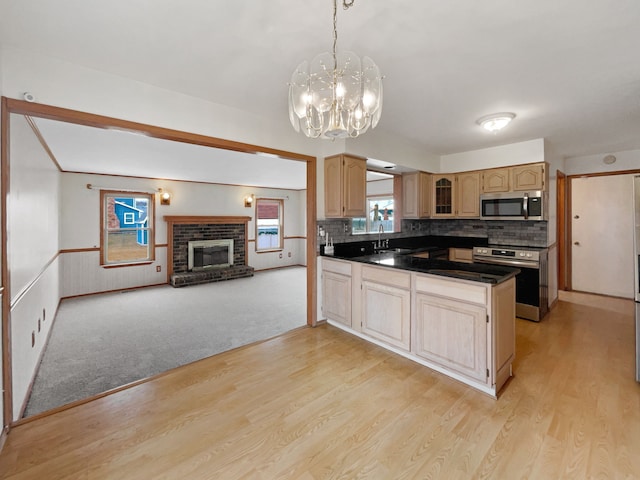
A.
pixel 183 229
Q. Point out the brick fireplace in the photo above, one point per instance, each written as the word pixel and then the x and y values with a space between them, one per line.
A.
pixel 184 229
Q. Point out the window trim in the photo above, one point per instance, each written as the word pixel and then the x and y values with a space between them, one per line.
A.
pixel 368 221
pixel 280 225
pixel 150 228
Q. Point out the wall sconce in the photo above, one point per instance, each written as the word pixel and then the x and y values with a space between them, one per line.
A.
pixel 165 198
pixel 248 201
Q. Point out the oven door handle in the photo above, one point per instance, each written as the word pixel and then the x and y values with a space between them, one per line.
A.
pixel 508 263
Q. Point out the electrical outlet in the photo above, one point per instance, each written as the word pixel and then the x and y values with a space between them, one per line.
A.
pixel 158 268
pixel 289 254
pixel 39 326
pixel 44 314
pixel 280 256
pixel 33 339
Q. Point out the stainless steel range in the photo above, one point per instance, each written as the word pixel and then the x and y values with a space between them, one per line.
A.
pixel 532 292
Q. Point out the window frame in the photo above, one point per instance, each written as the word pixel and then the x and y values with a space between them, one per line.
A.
pixel 367 219
pixel 104 230
pixel 280 246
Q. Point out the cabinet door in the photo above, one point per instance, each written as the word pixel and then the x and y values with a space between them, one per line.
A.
pixel 527 177
pixel 424 195
pixel 443 195
pixel 333 186
pixel 468 202
pixel 495 180
pixel 336 297
pixel 386 314
pixel 464 255
pixel 354 190
pixel 416 195
pixel 452 334
pixel 410 195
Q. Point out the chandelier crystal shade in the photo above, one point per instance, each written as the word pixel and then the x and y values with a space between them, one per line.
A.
pixel 337 95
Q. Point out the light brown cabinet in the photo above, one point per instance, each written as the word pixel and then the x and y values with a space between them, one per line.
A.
pixel 468 195
pixel 464 255
pixel 444 195
pixel 453 334
pixel 345 186
pixel 514 179
pixel 461 328
pixel 416 195
pixel 456 195
pixel 386 306
pixel 336 291
pixel 528 177
pixel 496 180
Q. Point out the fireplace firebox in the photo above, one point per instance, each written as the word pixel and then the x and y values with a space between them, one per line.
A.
pixel 209 254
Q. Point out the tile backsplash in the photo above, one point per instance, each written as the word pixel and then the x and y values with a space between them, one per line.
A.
pixel 498 232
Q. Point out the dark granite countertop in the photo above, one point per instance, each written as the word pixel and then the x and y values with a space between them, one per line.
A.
pixel 414 244
pixel 476 272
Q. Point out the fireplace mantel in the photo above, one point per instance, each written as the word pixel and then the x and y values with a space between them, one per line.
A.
pixel 170 219
pixel 174 222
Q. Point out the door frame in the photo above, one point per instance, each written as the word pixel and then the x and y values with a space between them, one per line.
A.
pixel 38 110
pixel 566 259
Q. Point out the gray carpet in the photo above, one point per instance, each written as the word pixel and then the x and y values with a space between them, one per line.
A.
pixel 104 341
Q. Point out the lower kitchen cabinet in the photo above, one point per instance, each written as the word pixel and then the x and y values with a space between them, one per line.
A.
pixel 336 291
pixel 386 314
pixel 461 328
pixel 386 306
pixel 452 334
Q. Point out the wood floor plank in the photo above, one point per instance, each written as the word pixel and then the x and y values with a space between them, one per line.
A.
pixel 322 404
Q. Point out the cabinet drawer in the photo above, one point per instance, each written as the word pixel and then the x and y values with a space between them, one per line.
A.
pixel 335 266
pixel 387 276
pixel 461 255
pixel 452 289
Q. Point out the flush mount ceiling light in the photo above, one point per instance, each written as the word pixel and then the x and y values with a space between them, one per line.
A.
pixel 496 121
pixel 336 95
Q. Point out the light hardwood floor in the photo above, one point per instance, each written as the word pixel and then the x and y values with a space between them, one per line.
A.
pixel 319 403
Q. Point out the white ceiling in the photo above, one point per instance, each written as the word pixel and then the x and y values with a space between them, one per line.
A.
pixel 569 69
pixel 116 152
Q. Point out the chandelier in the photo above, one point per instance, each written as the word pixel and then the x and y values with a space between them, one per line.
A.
pixel 337 95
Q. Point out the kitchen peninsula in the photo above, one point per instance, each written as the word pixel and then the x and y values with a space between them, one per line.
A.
pixel 455 318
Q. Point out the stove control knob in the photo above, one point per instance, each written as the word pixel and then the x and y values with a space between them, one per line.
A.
pixel 522 254
pixel 529 255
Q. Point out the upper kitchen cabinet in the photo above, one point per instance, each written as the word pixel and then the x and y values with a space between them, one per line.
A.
pixel 456 195
pixel 514 179
pixel 444 195
pixel 528 177
pixel 468 199
pixel 416 195
pixel 496 180
pixel 345 186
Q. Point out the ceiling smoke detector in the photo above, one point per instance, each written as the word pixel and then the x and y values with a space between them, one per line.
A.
pixel 609 159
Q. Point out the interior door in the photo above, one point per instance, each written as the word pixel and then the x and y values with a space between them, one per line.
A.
pixel 602 235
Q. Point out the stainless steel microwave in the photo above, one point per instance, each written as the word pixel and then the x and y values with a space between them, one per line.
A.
pixel 513 206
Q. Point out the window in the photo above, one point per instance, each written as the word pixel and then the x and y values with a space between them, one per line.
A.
pixel 127 228
pixel 269 224
pixel 380 212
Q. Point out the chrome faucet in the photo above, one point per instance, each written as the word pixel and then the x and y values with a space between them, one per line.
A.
pixel 380 230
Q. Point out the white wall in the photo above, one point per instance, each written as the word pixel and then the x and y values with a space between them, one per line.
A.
pixel 33 244
pixel 531 151
pixel 627 160
pixel 80 228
